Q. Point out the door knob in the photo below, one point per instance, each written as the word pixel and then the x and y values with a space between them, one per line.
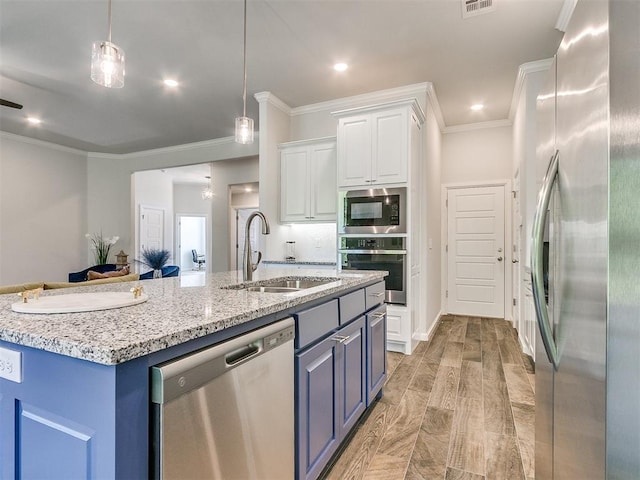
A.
pixel 514 261
pixel 499 259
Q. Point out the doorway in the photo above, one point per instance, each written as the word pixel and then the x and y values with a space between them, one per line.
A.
pixel 192 235
pixel 475 253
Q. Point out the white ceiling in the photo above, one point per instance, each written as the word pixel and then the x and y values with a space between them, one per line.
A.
pixel 45 50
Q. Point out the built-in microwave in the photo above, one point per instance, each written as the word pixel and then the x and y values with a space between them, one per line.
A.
pixel 374 211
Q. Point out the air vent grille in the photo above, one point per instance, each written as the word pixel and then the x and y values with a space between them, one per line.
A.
pixel 471 8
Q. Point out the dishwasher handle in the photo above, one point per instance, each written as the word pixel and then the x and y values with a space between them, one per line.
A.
pixel 175 378
pixel 242 354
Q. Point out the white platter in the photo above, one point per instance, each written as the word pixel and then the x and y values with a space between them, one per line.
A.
pixel 78 302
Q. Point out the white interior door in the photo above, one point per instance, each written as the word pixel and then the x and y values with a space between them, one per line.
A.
pixel 151 228
pixel 476 271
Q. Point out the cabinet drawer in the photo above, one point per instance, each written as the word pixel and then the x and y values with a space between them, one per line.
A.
pixel 351 306
pixel 315 322
pixel 374 295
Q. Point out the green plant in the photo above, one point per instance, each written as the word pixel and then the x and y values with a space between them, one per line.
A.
pixel 101 246
pixel 154 258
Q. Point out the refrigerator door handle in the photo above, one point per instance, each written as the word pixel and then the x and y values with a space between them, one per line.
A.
pixel 537 274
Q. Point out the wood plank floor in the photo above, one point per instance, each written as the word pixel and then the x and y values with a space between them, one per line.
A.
pixel 461 407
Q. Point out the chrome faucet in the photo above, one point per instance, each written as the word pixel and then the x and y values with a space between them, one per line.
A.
pixel 248 266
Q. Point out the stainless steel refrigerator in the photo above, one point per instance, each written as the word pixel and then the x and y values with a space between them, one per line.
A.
pixel 586 250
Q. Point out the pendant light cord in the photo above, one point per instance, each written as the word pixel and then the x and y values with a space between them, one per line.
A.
pixel 244 66
pixel 109 29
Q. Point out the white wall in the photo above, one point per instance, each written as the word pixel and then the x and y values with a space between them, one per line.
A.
pixel 154 189
pixel 274 125
pixel 237 201
pixel 477 155
pixel 223 174
pixel 109 179
pixel 43 211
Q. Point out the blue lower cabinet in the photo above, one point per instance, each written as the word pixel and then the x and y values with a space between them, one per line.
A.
pixel 376 351
pixel 330 396
pixel 316 408
pixel 352 350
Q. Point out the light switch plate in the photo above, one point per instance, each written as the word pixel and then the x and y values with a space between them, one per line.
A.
pixel 11 365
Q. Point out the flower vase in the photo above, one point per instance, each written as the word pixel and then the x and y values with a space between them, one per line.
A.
pixel 157 273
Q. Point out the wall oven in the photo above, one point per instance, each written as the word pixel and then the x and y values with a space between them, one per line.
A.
pixel 378 253
pixel 374 211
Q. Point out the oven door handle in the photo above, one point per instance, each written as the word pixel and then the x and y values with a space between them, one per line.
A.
pixel 377 252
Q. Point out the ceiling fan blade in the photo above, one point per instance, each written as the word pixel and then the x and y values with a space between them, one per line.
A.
pixel 7 103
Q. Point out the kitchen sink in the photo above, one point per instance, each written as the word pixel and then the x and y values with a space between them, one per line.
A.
pixel 272 289
pixel 298 284
pixel 282 285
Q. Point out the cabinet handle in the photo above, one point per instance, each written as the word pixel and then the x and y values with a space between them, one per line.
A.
pixel 378 315
pixel 376 294
pixel 340 338
pixel 368 181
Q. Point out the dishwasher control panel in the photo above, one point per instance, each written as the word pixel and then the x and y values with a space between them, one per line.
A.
pixel 278 338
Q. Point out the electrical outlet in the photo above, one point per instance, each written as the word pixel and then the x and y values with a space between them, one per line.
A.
pixel 11 365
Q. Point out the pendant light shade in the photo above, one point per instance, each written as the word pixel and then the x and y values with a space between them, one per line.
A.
pixel 207 193
pixel 244 124
pixel 107 62
pixel 244 130
pixel 107 65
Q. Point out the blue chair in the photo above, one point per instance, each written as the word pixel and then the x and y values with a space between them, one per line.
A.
pixel 167 271
pixel 82 275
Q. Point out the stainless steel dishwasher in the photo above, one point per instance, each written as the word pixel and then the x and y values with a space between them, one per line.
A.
pixel 226 412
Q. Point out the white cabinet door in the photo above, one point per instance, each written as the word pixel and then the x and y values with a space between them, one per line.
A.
pixel 374 148
pixel 294 197
pixel 308 190
pixel 354 151
pixel 390 147
pixel 322 182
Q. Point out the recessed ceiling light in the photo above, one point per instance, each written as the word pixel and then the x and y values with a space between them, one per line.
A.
pixel 169 82
pixel 477 107
pixel 340 67
pixel 34 120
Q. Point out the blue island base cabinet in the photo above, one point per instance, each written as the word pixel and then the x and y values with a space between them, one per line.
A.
pixel 337 376
pixel 70 419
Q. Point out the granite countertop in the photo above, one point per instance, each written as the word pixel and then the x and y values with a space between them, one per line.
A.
pixel 179 309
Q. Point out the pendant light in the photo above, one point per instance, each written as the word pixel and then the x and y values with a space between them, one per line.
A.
pixel 107 62
pixel 244 124
pixel 207 193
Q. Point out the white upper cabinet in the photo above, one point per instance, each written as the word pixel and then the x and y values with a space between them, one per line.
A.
pixel 374 143
pixel 308 189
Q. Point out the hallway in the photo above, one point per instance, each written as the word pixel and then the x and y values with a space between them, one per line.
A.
pixel 460 407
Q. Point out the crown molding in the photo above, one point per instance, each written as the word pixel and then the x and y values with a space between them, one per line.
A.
pixel 524 70
pixel 477 126
pixel 271 99
pixel 435 106
pixel 42 143
pixel 380 96
pixel 565 14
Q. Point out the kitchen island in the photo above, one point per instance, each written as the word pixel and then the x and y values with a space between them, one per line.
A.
pixel 82 407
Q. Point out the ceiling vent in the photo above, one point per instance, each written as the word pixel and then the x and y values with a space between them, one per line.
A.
pixel 471 8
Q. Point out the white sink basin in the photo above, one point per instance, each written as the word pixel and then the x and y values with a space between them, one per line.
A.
pixel 78 302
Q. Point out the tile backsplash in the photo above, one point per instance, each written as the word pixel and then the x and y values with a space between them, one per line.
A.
pixel 314 242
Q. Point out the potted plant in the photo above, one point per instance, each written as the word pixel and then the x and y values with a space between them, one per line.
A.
pixel 101 246
pixel 155 258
